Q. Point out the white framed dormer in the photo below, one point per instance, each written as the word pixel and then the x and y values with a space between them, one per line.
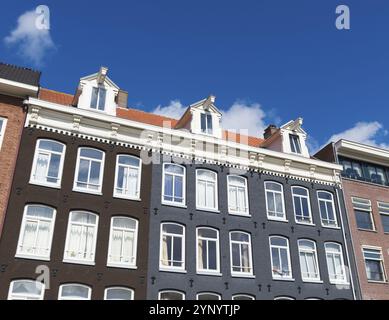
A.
pixel 294 138
pixel 98 93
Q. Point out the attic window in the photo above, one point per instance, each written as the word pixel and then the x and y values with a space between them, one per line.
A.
pixel 206 123
pixel 98 98
pixel 295 146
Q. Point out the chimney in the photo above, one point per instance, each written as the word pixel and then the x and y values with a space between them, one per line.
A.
pixel 269 131
pixel 122 98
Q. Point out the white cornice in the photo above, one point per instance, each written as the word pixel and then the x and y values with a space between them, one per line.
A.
pixel 17 89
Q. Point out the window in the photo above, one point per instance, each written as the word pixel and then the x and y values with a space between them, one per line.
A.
pixel 206 185
pixel 295 146
pixel 81 237
pixel 374 264
pixel 363 216
pixel 48 163
pixel 36 232
pixel 280 258
pixel 242 297
pixel 3 124
pixel 98 98
pixel 127 177
pixel 327 209
pixel 206 123
pixel 173 184
pixel 237 195
pixel 284 298
pixel 74 292
pixel 335 263
pixel 26 290
pixel 351 169
pixel 123 242
pixel 172 247
pixel 308 260
pixel 208 257
pixel 171 295
pixel 275 201
pixel 301 205
pixel 241 255
pixel 383 209
pixel 376 174
pixel 118 293
pixel 208 296
pixel 89 170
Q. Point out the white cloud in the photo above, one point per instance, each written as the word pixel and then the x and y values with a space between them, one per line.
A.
pixel 363 132
pixel 241 117
pixel 32 42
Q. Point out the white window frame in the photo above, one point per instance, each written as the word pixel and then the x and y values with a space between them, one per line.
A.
pixel 232 211
pixel 293 143
pixel 206 130
pixel 284 298
pixel 335 226
pixel 13 296
pixel 250 297
pixel 251 262
pixel 121 195
pixel 102 161
pixel 2 130
pixel 73 284
pixel 382 262
pixel 119 288
pixel 208 271
pixel 171 291
pixel 60 169
pixel 123 265
pixel 307 197
pixel 281 277
pixel 19 253
pixel 215 181
pixel 343 267
pixel 172 268
pixel 284 219
pixel 383 210
pixel 209 293
pixel 174 203
pixel 315 257
pixel 67 258
pixel 364 205
pixel 98 87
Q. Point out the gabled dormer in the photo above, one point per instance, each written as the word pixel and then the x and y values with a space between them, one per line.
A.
pixel 97 92
pixel 202 117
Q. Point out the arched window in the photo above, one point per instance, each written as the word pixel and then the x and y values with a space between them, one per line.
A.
pixel 171 295
pixel 74 291
pixel 335 263
pixel 172 247
pixel 208 252
pixel 26 290
pixel 327 209
pixel 208 296
pixel 275 206
pixel 127 177
pixel 308 260
pixel 173 184
pixel 206 190
pixel 242 297
pixel 280 258
pixel 237 195
pixel 301 205
pixel 118 293
pixel 241 254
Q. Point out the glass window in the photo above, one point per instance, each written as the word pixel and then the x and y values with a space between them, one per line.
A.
pixel 301 205
pixel 26 290
pixel 208 259
pixel 208 296
pixel 335 263
pixel 89 170
pixel 3 123
pixel 48 163
pixel 118 293
pixel 241 254
pixel 171 295
pixel 206 187
pixel 173 184
pixel 275 201
pixel 284 298
pixel 327 209
pixel 374 264
pixel 36 232
pixel 308 260
pixel 98 98
pixel 280 258
pixel 74 292
pixel 295 146
pixel 351 169
pixel 242 297
pixel 206 123
pixel 127 177
pixel 363 213
pixel 81 237
pixel 383 209
pixel 376 174
pixel 123 242
pixel 237 195
pixel 172 246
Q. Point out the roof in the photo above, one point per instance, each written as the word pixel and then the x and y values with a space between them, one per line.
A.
pixel 145 117
pixel 20 74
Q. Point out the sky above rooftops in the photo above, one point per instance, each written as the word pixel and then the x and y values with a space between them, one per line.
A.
pixel 266 61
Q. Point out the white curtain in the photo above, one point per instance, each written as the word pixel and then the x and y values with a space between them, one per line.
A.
pixel 201 194
pixel 132 184
pixel 164 253
pixel 28 240
pixel 42 163
pixel 43 238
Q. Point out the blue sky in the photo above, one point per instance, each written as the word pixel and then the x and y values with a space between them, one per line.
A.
pixel 266 60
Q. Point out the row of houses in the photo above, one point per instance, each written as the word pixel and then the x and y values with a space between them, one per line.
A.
pixel 101 201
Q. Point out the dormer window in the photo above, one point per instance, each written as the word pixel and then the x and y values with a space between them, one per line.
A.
pixel 98 98
pixel 206 123
pixel 295 146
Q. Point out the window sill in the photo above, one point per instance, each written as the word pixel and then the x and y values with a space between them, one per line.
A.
pixel 239 214
pixel 172 270
pixel 87 263
pixel 240 275
pixel 31 257
pixel 212 274
pixel 306 224
pixel 96 193
pixel 208 210
pixel 340 283
pixel 48 185
pixel 117 196
pixel 277 220
pixel 367 230
pixel 334 228
pixel 173 204
pixel 284 279
pixel 121 266
pixel 312 281
pixel 377 282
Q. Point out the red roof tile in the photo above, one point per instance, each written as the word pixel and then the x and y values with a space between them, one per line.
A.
pixel 55 96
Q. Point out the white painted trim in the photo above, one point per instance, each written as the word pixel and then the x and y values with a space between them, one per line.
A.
pixel 119 195
pixel 309 205
pixel 334 281
pixel 216 195
pixel 119 288
pixel 251 262
pixel 25 297
pixel 73 284
pixel 250 297
pixel 215 294
pixel 173 203
pixel 275 277
pixel 171 291
pixel 336 226
pixel 313 280
pixel 284 218
pixel 246 195
pixel 18 89
pixel 172 268
pixel 206 271
pixel 2 131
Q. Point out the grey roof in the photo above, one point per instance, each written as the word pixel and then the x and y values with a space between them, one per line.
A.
pixel 19 74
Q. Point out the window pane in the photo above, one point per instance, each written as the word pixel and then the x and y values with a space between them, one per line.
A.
pixel 102 94
pixel 171 295
pixel 119 294
pixel 208 296
pixel 129 161
pixel 74 292
pixel 363 219
pixel 385 222
pixel 95 92
pixel 91 153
